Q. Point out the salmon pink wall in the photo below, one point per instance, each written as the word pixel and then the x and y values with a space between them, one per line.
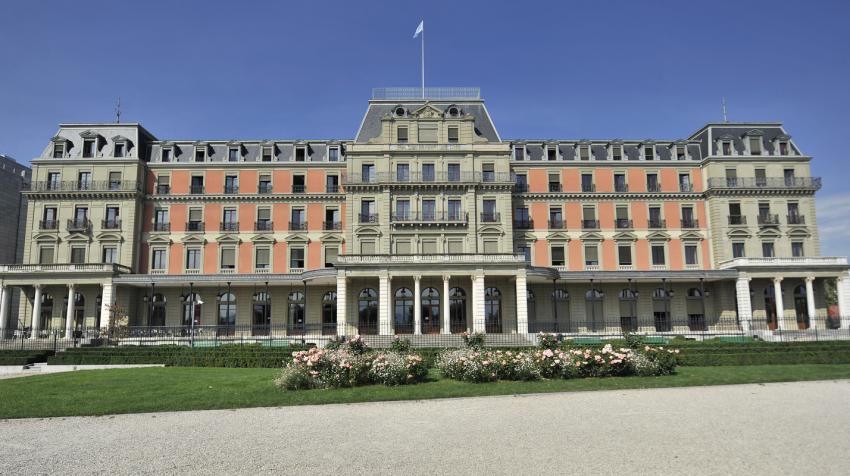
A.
pixel 706 260
pixel 175 259
pixel 247 216
pixel 572 211
pixel 540 215
pixel 180 181
pixel 541 253
pixel 282 181
pixel 147 218
pixel 673 215
pixel 248 181
pixel 178 214
pixel 314 255
pixel 150 181
pixel 639 213
pixel 212 217
pixel 700 213
pixel 315 181
pixel 642 254
pixel 315 216
pixel 214 181
pixel 246 258
pixel 280 216
pixel 604 180
pixel 210 258
pixel 669 181
pixel 605 214
pixel 571 180
pixel 674 248
pixel 696 178
pixel 279 257
pixel 576 256
pixel 636 179
pixel 609 255
pixel 538 180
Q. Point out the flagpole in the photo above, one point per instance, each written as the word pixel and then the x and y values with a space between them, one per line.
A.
pixel 423 60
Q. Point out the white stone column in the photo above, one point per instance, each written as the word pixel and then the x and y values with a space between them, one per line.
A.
pixel 105 303
pixel 478 303
pixel 341 296
pixel 521 303
pixel 5 292
pixel 35 324
pixel 69 313
pixel 780 306
pixel 745 307
pixel 384 305
pixel 447 303
pixel 417 305
pixel 843 285
pixel 810 301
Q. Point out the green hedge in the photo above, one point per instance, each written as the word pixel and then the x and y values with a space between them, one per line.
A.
pixel 242 356
pixel 23 357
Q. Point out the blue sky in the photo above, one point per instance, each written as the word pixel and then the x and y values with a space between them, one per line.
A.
pixel 594 69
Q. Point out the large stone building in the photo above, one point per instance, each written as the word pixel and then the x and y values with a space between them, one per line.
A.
pixel 14 177
pixel 426 210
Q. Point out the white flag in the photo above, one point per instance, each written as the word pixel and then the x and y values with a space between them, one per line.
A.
pixel 420 28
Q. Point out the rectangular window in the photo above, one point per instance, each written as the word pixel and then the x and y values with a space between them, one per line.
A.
pixel 727 148
pixel 453 135
pixel 617 152
pixel 262 258
pixel 166 155
pixel 454 246
pixel 519 152
pixel 368 247
pixel 233 154
pixel 691 256
pixel 88 148
pixel 620 183
pixel 551 152
pixel 655 217
pixel 587 183
pixel 193 258
pixel 649 153
pixel 652 184
pixel 453 172
pixel 300 154
pixel 195 219
pixel 367 172
pixel 84 181
pixel 58 150
pixel 45 255
pixel 558 256
pixel 491 246
pixel 680 152
pixel 453 209
pixel 429 210
pixel 554 182
pixel 228 258
pixel 685 183
pixel 767 249
pixel 200 154
pixel 755 145
pixel 584 152
pixel 197 185
pixel 158 258
pixel 488 173
pixel 331 253
pixel 265 184
pixel 298 184
pixel 428 132
pixel 525 251
pixel 53 180
pixel 333 154
pixel 110 254
pixel 658 255
pixel 402 209
pixel 268 153
pixel 783 148
pixel 428 172
pixel 556 218
pixel 761 177
pixel 402 247
pixel 401 134
pixel 429 247
pixel 688 220
pixel 489 211
pixel 591 255
pixel 231 184
pixel 624 255
pixel 114 180
pixel 738 250
pixel 119 150
pixel 797 249
pixel 78 255
pixel 402 172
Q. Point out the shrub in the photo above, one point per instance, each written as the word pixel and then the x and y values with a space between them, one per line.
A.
pixel 356 345
pixel 394 368
pixel 293 378
pixel 328 368
pixel 400 345
pixel 548 341
pixel 335 343
pixel 468 365
pixel 474 340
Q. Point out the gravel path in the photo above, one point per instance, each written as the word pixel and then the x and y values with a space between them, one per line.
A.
pixel 787 428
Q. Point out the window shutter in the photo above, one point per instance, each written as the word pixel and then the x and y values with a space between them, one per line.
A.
pixel 331 254
pixel 429 247
pixel 402 247
pixel 455 246
pixel 264 214
pixel 491 246
pixel 228 258
pixel 367 247
pixel 427 132
pixel 591 253
pixel 46 256
pixel 262 257
pixel 195 214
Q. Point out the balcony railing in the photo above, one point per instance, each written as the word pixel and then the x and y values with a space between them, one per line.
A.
pixel 195 226
pixel 161 226
pixel 436 177
pixel 79 224
pixel 434 258
pixel 368 218
pixel 653 187
pixel 588 187
pixel 587 224
pixel 264 187
pixel 231 189
pixel 765 182
pixel 196 189
pixel 114 224
pixel 737 220
pixel 689 223
pixel 229 226
pixel 48 225
pixel 82 186
pixel 802 261
pixel 163 189
pixel 556 224
pixel 60 268
pixel 686 187
pixel 331 225
pixel 432 217
pixel 621 188
pixel 299 188
pixel 554 187
pixel 521 187
pixel 767 219
pixel 331 188
pixel 298 225
pixel 657 224
pixel 494 217
pixel 796 219
pixel 524 224
pixel 263 225
pixel 623 224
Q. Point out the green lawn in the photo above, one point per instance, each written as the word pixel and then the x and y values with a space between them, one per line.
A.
pixel 100 392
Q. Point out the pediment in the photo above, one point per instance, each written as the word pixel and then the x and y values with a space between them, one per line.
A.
pixel 428 111
pixel 159 240
pixel 658 236
pixel 228 238
pixel 332 238
pixel 490 230
pixel 89 134
pixel 59 139
pixel 194 239
pixel 263 238
pixel 738 233
pixel 799 232
pixel 110 236
pixel 769 233
pixel 46 237
pixel 120 138
pixel 691 236
pixel 754 132
pixel 78 237
pixel 726 137
pixel 591 236
pixel 558 236
pixel 368 230
pixel 625 236
pixel 297 238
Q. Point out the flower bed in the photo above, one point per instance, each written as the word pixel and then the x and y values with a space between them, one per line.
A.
pixel 348 365
pixel 474 365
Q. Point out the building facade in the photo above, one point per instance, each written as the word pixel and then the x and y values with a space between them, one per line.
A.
pixel 427 222
pixel 14 178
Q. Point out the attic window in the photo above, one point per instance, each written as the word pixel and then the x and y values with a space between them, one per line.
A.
pixel 267 154
pixel 453 112
pixel 584 152
pixel 783 148
pixel 399 112
pixel 616 152
pixel 58 150
pixel 233 154
pixel 680 152
pixel 119 150
pixel 453 134
pixel 401 133
pixel 552 152
pixel 88 148
pixel 649 153
pixel 300 154
pixel 333 154
pixel 726 147
pixel 519 152
pixel 166 154
pixel 755 145
pixel 200 154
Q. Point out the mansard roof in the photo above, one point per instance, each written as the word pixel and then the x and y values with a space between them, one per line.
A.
pixel 370 126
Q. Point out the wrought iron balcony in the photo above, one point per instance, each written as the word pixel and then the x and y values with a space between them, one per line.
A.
pixel 493 217
pixel 524 224
pixel 229 226
pixel 263 225
pixel 767 219
pixel 114 224
pixel 368 218
pixel 231 189
pixel 196 189
pixel 163 189
pixel 331 188
pixel 418 177
pixel 657 224
pixel 623 223
pixel 79 224
pixel 796 219
pixel 588 187
pixel 556 224
pixel 813 183
pixel 621 187
pixel 430 217
pixel 264 187
pixel 298 225
pixel 653 187
pixel 82 186
pixel 686 187
pixel 331 225
pixel 195 226
pixel 299 188
pixel 157 226
pixel 591 224
pixel 554 187
pixel 689 223
pixel 521 188
pixel 48 225
pixel 737 220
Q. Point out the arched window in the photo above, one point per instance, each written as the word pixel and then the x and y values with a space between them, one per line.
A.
pixel 628 310
pixel 157 311
pixel 226 314
pixel 430 311
pixel 191 301
pixel 661 310
pixel 594 307
pixel 492 310
pixel 801 307
pixel 329 313
pixel 295 301
pixel 367 305
pixel 403 311
pixel 457 310
pixel 262 309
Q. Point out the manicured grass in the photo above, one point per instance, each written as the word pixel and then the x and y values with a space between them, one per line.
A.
pixel 101 392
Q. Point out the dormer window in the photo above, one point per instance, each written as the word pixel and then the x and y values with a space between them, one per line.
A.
pixel 89 148
pixel 649 152
pixel 551 152
pixel 783 148
pixel 755 145
pixel 399 112
pixel 454 112
pixel 166 154
pixel 118 150
pixel 233 154
pixel 301 153
pixel 200 154
pixel 401 134
pixel 617 152
pixel 453 135
pixel 726 147
pixel 681 153
pixel 584 152
pixel 519 152
pixel 333 153
pixel 267 154
pixel 58 150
